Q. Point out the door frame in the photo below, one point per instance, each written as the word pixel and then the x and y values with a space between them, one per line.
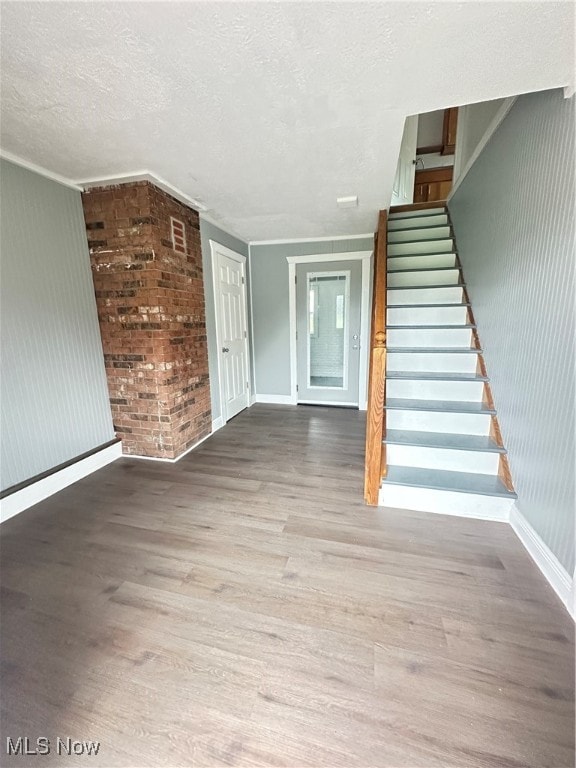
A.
pixel 365 257
pixel 215 249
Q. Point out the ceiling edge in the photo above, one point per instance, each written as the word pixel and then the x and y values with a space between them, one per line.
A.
pixel 40 170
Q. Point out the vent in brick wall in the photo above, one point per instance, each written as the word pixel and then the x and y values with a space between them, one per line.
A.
pixel 178 235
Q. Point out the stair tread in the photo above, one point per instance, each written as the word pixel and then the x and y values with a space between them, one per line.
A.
pixel 442 440
pixel 418 255
pixel 422 269
pixel 430 226
pixel 419 242
pixel 420 327
pixel 436 479
pixel 449 406
pixel 417 219
pixel 424 306
pixel 425 287
pixel 435 376
pixel 432 211
pixel 437 350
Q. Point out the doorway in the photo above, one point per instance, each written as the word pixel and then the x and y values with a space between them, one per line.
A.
pixel 329 297
pixel 229 276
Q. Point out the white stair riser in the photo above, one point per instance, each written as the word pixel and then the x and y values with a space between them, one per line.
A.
pixel 428 277
pixel 422 262
pixel 427 316
pixel 416 214
pixel 433 337
pixel 467 391
pixel 443 362
pixel 423 246
pixel 445 502
pixel 424 233
pixel 447 295
pixel 438 421
pixel 483 463
pixel 394 225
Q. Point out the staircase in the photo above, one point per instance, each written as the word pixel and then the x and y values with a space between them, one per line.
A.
pixel 443 447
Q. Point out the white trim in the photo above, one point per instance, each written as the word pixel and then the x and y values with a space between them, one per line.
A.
pixel 365 257
pixel 274 399
pixel 223 226
pixel 169 461
pixel 252 338
pixel 215 249
pixel 328 402
pixel 252 399
pixel 39 170
pixel 552 570
pixel 493 125
pixel 217 424
pixel 569 91
pixel 311 239
pixel 145 175
pixel 42 489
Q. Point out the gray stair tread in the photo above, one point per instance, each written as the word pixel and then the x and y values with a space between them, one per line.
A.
pixel 464 482
pixel 435 211
pixel 417 255
pixel 419 242
pixel 431 226
pixel 436 350
pixel 425 306
pixel 442 440
pixel 426 287
pixel 432 327
pixel 422 219
pixel 434 376
pixel 449 406
pixel 422 269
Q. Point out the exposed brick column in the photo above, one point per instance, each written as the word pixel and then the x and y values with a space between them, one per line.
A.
pixel 150 300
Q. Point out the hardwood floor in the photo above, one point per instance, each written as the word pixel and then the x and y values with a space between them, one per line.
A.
pixel 243 607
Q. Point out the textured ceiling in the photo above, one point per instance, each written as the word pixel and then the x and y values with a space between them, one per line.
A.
pixel 266 112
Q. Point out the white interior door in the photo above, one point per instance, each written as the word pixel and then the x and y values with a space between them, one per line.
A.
pixel 403 189
pixel 232 331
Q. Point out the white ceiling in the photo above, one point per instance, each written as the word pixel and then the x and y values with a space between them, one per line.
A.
pixel 266 112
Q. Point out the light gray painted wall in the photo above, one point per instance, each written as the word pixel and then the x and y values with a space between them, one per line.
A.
pixel 209 232
pixel 430 126
pixel 54 396
pixel 270 306
pixel 514 224
pixel 473 120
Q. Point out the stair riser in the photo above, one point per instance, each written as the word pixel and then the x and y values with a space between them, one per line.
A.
pixel 424 246
pixel 395 225
pixel 467 391
pixel 448 295
pixel 427 316
pixel 428 277
pixel 445 502
pixel 424 361
pixel 435 337
pixel 416 214
pixel 422 262
pixel 444 459
pixel 424 233
pixel 439 421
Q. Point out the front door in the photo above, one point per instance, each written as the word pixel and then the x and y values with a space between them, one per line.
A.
pixel 328 304
pixel 232 334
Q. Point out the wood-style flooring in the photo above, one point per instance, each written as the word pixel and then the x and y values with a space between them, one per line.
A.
pixel 244 608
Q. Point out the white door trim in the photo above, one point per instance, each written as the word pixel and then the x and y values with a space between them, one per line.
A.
pixel 215 248
pixel 365 256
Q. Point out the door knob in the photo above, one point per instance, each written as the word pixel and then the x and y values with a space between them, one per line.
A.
pixel 225 349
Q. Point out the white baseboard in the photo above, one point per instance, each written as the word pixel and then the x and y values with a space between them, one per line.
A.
pixel 554 573
pixel 42 489
pixel 274 399
pixel 218 423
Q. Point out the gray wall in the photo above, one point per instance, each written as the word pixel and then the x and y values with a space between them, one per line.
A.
pixel 473 120
pixel 270 306
pixel 209 232
pixel 514 224
pixel 54 394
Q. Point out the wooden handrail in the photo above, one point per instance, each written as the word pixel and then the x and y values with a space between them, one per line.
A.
pixel 375 460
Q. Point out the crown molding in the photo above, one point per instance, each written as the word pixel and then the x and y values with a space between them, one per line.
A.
pixel 39 169
pixel 145 175
pixel 312 239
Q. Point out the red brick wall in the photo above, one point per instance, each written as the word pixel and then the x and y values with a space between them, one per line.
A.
pixel 152 319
